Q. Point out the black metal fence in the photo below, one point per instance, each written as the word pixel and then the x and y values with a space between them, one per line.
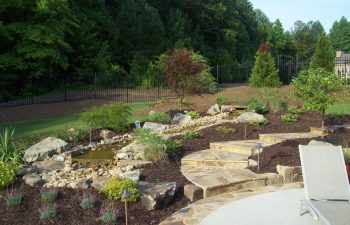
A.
pixel 240 72
pixel 98 86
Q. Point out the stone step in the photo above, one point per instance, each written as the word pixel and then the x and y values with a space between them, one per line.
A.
pixel 211 157
pixel 215 180
pixel 279 137
pixel 241 147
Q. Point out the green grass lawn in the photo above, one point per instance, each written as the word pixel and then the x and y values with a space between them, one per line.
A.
pixel 339 109
pixel 55 125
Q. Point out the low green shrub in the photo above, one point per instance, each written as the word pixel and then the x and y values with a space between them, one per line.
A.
pixel 48 195
pixel 290 117
pixel 159 117
pixel 225 130
pixel 13 198
pixel 192 135
pixel 7 174
pixel 115 187
pixel 259 122
pixel 112 116
pixel 9 153
pixel 221 100
pixel 193 114
pixel 74 134
pixel 47 211
pixel 255 105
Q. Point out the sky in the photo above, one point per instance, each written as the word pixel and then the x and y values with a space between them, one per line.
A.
pixel 289 11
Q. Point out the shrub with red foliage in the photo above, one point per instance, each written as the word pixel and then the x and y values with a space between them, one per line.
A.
pixel 264 48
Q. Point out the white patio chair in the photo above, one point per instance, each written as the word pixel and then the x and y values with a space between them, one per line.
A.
pixel 326 184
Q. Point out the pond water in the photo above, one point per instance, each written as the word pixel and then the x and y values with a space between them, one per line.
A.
pixel 102 153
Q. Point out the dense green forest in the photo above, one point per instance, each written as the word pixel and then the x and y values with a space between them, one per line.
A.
pixel 47 40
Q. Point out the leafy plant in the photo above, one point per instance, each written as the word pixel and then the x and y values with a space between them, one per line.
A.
pixel 114 188
pixel 226 130
pixel 155 146
pixel 7 174
pixel 346 152
pixel 192 135
pixel 48 195
pixel 160 117
pixel 255 105
pixel 88 201
pixel 173 147
pixel 259 122
pixel 8 151
pixel 47 211
pixel 186 73
pixel 316 88
pixel 74 134
pixel 272 99
pixel 112 116
pixel 290 117
pixel 221 100
pixel 109 213
pixel 13 197
pixel 193 114
pixel 264 73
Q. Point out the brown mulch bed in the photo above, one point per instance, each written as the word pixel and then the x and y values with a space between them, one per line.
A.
pixel 69 211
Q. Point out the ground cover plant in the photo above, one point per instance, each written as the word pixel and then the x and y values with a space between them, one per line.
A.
pixel 159 117
pixel 115 187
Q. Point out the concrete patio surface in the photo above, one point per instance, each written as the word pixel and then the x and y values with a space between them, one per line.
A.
pixel 275 208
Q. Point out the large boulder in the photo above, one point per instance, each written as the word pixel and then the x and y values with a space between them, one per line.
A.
pixel 99 182
pixel 180 118
pixel 156 127
pixel 132 150
pixel 107 134
pixel 132 175
pixel 249 117
pixel 215 109
pixel 156 195
pixel 46 148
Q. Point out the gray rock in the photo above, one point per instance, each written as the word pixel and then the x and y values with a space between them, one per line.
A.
pixel 48 166
pixel 125 155
pixel 156 195
pixel 98 182
pixel 107 134
pixel 46 177
pixel 248 117
pixel 180 118
pixel 214 110
pixel 80 184
pixel 92 145
pixel 27 169
pixel 132 175
pixel 193 192
pixel 227 108
pixel 134 163
pixel 58 158
pixel 156 127
pixel 32 179
pixel 319 143
pixel 75 151
pixel 46 148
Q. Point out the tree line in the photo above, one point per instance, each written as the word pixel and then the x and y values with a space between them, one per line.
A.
pixel 46 40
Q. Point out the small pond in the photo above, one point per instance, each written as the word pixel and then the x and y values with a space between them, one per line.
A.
pixel 101 153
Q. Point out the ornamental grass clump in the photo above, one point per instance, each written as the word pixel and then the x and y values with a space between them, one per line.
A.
pixel 13 198
pixel 9 153
pixel 47 211
pixel 109 213
pixel 193 135
pixel 48 195
pixel 88 201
